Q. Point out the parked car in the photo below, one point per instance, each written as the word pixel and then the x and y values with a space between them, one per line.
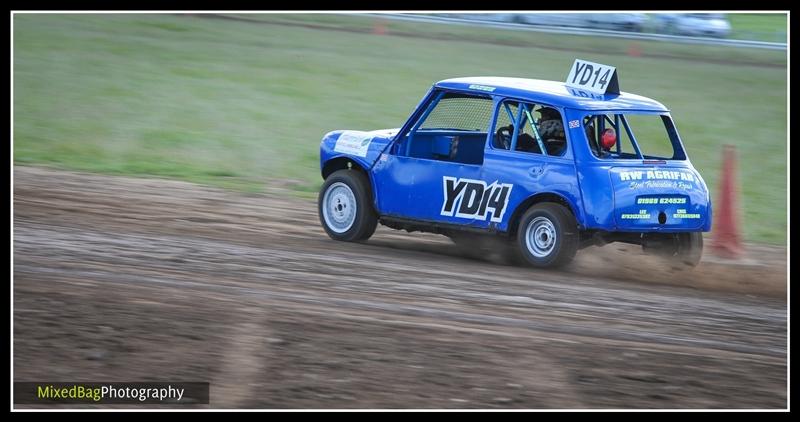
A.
pixel 484 17
pixel 552 19
pixel 694 24
pixel 547 167
pixel 614 21
pixel 634 22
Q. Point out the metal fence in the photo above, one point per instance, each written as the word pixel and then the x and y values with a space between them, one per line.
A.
pixel 622 25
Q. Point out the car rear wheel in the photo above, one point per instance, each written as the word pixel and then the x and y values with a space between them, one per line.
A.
pixel 548 236
pixel 345 206
pixel 681 248
pixel 690 248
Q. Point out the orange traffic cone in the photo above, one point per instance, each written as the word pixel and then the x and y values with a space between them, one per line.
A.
pixel 379 27
pixel 634 50
pixel 727 241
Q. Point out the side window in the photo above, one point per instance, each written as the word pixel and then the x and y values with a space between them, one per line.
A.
pixel 527 140
pixel 624 143
pixel 652 136
pixel 507 110
pixel 550 125
pixel 453 128
pixel 504 128
pixel 540 127
pixel 459 112
pixel 608 137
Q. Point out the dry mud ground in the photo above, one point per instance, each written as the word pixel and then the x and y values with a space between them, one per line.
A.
pixel 122 279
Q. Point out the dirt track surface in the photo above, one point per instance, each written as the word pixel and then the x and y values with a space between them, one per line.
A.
pixel 121 279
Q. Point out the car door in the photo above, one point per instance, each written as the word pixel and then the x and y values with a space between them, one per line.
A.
pixel 437 162
pixel 538 162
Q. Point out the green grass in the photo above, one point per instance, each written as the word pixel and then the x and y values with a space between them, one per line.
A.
pixel 240 105
pixel 758 26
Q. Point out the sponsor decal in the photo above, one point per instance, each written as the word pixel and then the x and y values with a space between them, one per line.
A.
pixel 482 88
pixel 661 184
pixel 658 179
pixel 643 214
pixel 354 143
pixel 661 201
pixel 474 199
pixel 681 213
pixel 574 123
pixel 625 176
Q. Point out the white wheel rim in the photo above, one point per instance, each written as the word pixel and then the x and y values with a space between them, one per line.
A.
pixel 540 237
pixel 339 207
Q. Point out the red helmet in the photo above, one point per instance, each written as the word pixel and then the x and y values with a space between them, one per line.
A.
pixel 608 138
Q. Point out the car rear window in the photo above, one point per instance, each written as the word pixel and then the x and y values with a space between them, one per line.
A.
pixel 654 135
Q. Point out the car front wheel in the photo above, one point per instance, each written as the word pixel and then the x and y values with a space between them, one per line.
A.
pixel 548 235
pixel 345 207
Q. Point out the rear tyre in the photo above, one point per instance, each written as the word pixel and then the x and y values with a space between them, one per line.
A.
pixel 547 236
pixel 345 206
pixel 681 248
pixel 690 248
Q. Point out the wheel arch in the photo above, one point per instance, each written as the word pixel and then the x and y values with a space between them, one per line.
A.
pixel 342 163
pixel 538 198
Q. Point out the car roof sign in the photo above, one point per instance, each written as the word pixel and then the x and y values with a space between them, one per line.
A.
pixel 593 77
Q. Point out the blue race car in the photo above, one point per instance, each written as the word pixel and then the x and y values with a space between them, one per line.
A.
pixel 547 167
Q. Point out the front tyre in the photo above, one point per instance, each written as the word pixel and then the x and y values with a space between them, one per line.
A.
pixel 345 206
pixel 548 236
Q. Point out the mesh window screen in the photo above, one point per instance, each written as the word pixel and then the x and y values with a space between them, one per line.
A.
pixel 460 113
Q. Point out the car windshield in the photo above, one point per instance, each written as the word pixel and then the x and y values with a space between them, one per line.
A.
pixel 632 136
